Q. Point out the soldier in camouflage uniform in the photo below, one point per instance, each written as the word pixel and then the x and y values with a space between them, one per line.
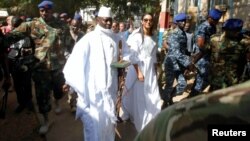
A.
pixel 201 48
pixel 189 120
pixel 176 61
pixel 226 55
pixel 49 36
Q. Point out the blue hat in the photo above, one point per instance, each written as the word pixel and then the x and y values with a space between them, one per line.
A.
pixel 233 24
pixel 215 14
pixel 46 4
pixel 77 17
pixel 180 17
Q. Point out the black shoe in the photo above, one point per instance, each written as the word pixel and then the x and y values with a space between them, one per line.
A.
pixel 19 109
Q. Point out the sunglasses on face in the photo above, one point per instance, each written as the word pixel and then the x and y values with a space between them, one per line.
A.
pixel 147 20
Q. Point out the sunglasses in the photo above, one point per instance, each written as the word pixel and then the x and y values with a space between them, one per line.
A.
pixel 147 20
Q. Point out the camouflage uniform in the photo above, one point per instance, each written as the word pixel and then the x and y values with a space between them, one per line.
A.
pixel 205 30
pixel 175 63
pixel 189 119
pixel 50 43
pixel 225 59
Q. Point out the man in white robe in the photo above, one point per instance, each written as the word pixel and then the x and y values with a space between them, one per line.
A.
pixel 89 72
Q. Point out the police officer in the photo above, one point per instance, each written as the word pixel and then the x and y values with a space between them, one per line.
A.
pixel 201 48
pixel 176 61
pixel 226 53
pixel 49 35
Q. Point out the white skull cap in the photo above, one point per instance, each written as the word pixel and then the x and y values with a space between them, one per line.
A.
pixel 105 12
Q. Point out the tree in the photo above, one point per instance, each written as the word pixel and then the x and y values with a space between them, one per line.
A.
pixel 119 7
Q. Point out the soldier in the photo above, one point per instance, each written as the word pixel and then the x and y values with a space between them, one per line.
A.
pixel 201 56
pixel 49 36
pixel 226 53
pixel 176 61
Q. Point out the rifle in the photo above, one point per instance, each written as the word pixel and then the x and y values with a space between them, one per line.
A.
pixel 4 102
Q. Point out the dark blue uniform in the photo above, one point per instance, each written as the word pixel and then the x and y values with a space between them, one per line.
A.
pixel 176 62
pixel 205 30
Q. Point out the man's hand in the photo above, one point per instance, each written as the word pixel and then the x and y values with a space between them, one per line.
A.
pixel 65 88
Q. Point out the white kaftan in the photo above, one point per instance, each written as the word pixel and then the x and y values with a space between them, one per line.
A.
pixel 141 101
pixel 89 73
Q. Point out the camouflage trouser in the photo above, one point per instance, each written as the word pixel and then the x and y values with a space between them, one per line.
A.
pixel 45 81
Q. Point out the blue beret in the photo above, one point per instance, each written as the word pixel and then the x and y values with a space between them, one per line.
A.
pixel 77 17
pixel 46 4
pixel 215 14
pixel 180 17
pixel 233 24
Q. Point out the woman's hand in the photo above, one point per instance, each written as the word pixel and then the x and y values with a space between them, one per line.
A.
pixel 65 88
pixel 140 76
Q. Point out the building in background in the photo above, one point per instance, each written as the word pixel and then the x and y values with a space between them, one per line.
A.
pixel 198 10
pixel 88 14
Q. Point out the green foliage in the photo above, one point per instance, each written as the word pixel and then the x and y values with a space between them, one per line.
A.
pixel 119 7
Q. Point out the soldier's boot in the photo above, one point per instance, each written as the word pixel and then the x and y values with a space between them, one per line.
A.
pixel 45 125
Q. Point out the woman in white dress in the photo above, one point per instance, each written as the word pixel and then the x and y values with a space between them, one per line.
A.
pixel 141 98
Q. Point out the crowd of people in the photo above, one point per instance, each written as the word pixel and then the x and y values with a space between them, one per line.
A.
pixel 59 55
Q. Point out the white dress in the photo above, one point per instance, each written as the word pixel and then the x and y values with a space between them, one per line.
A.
pixel 141 101
pixel 89 73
